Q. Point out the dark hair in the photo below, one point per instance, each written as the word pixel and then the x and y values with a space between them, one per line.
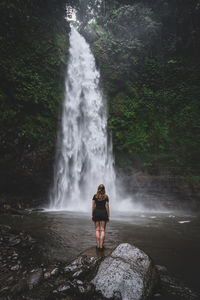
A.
pixel 101 193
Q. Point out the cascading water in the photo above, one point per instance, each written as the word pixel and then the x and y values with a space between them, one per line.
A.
pixel 84 154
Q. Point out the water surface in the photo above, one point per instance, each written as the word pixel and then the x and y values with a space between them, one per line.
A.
pixel 171 240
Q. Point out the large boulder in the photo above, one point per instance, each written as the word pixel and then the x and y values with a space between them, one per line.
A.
pixel 127 273
pixel 91 33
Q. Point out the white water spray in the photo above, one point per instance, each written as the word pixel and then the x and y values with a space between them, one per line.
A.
pixel 84 155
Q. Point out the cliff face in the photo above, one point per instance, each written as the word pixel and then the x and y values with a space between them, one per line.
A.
pixel 33 59
pixel 148 55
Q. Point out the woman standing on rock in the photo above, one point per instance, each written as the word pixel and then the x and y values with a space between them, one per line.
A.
pixel 100 215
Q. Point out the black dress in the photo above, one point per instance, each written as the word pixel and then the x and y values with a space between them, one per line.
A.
pixel 100 212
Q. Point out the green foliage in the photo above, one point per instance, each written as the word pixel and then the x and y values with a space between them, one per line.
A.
pixel 157 126
pixel 148 53
pixel 94 25
pixel 194 179
pixel 150 67
pixel 33 58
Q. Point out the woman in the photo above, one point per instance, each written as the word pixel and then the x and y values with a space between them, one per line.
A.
pixel 100 215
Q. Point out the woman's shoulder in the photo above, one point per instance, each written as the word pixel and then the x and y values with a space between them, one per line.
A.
pixel 107 198
pixel 94 197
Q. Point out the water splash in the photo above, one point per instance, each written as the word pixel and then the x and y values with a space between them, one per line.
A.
pixel 84 154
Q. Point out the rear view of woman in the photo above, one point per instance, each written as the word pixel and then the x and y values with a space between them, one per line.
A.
pixel 100 215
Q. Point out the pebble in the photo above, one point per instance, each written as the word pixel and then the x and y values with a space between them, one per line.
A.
pixel 76 274
pixel 54 271
pixel 15 254
pixel 15 268
pixel 10 278
pixel 81 289
pixel 4 289
pixel 70 268
pixel 14 242
pixel 47 275
pixel 63 288
pixel 161 269
pixel 34 278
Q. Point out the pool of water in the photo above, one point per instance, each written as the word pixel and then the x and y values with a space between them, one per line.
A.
pixel 171 240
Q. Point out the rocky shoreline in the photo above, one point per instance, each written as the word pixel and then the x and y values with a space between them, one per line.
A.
pixel 125 272
pixel 26 274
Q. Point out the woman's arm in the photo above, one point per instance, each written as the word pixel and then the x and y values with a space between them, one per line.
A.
pixel 107 209
pixel 93 206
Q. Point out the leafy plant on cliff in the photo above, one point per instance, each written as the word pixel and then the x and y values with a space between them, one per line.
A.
pixel 34 46
pixel 150 67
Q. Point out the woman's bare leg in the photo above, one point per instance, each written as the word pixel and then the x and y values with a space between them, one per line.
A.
pixel 103 233
pixel 97 226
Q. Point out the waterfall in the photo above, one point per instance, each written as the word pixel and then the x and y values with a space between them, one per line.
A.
pixel 84 152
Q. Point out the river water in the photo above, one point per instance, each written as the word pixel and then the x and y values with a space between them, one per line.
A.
pixel 172 240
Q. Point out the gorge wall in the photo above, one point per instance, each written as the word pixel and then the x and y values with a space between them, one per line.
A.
pixel 33 60
pixel 148 55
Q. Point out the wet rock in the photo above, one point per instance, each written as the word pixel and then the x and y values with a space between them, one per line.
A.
pixel 161 269
pixel 34 278
pixel 4 228
pixel 174 287
pixel 30 239
pixel 82 266
pixel 15 264
pixel 54 272
pixel 125 273
pixel 10 279
pixel 81 289
pixel 4 289
pixel 8 209
pixel 64 287
pixel 89 33
pixel 31 278
pixel 157 295
pixel 128 273
pixel 37 209
pixel 70 268
pixel 77 274
pixel 14 241
pixel 15 255
pixel 19 286
pixel 15 268
pixel 47 275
